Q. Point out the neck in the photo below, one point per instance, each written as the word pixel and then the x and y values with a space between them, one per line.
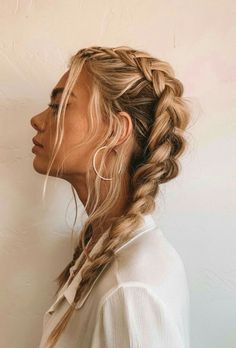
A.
pixel 117 210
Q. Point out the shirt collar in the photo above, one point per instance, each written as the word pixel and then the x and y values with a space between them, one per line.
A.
pixel 69 292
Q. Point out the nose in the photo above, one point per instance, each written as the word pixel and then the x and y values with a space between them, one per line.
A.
pixel 38 122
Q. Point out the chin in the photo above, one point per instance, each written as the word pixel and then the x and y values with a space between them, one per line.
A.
pixel 39 167
pixel 42 168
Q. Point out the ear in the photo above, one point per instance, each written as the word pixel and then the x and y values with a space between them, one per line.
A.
pixel 127 126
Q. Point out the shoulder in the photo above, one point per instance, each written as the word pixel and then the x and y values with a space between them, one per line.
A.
pixel 127 295
pixel 146 303
pixel 153 260
pixel 133 312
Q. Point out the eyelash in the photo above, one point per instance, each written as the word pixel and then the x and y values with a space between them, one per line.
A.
pixel 54 107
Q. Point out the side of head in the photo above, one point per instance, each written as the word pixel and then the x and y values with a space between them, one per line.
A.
pixel 135 107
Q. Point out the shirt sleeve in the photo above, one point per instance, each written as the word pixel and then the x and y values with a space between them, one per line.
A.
pixel 135 317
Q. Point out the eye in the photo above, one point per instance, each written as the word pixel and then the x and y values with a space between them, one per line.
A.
pixel 54 107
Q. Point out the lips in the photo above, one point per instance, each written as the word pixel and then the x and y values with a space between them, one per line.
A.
pixel 36 142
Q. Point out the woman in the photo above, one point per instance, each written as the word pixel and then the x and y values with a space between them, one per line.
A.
pixel 114 130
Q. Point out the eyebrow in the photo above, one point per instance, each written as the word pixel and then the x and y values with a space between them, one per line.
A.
pixel 57 91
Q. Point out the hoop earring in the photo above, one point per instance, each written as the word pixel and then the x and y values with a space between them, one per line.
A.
pixel 94 166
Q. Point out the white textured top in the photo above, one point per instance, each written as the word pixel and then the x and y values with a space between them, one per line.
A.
pixel 140 300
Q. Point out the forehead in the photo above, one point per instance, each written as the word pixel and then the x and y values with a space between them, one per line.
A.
pixel 82 85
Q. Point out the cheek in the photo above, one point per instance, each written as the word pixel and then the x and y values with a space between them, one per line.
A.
pixel 74 148
pixel 74 135
pixel 76 130
pixel 50 135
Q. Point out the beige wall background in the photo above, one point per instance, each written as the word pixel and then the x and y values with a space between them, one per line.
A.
pixel 196 211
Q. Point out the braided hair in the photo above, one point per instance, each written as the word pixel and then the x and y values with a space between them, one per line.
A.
pixel 125 79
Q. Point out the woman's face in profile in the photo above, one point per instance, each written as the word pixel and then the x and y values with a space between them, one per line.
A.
pixel 75 130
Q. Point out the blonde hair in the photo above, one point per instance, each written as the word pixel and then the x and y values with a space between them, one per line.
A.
pixel 124 79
